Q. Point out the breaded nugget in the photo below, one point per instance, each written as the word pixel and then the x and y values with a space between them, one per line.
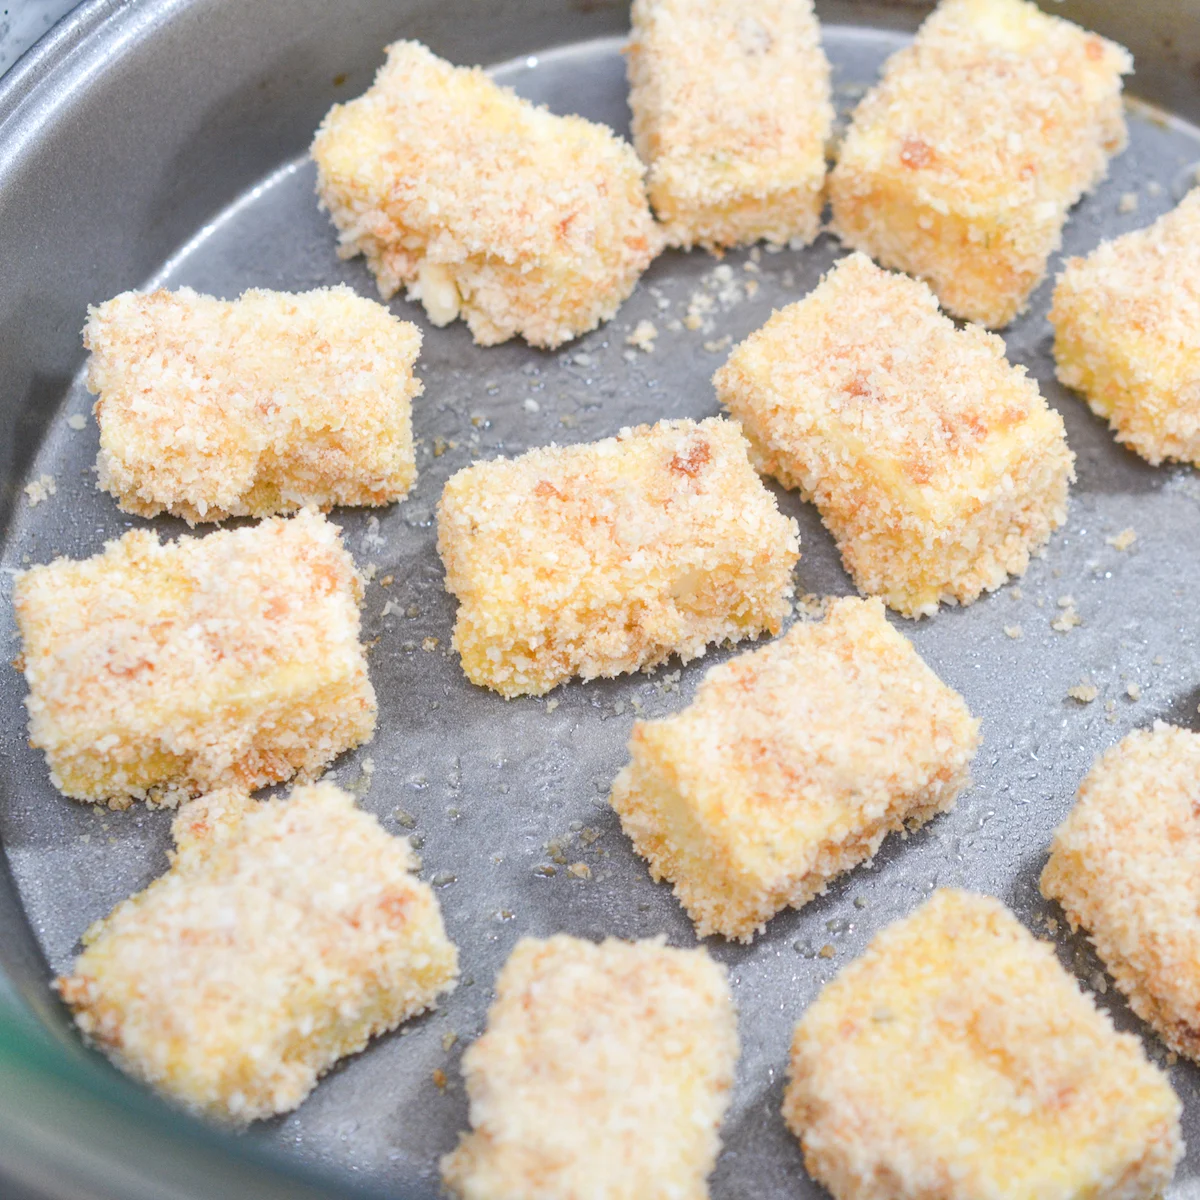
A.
pixel 956 1060
pixel 482 204
pixel 158 671
pixel 214 408
pixel 935 464
pixel 731 110
pixel 791 766
pixel 1127 334
pixel 961 164
pixel 605 558
pixel 1126 866
pixel 285 935
pixel 603 1074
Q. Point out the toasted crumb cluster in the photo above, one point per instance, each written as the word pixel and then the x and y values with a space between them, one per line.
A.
pixel 1127 334
pixel 956 1060
pixel 731 110
pixel 791 766
pixel 158 671
pixel 1125 865
pixel 961 164
pixel 603 1074
pixel 285 935
pixel 482 204
pixel 213 408
pixel 607 557
pixel 935 464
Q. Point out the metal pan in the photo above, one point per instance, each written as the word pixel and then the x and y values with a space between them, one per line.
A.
pixel 163 142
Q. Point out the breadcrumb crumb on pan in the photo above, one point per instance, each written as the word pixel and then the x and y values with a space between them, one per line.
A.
pixel 956 1059
pixel 604 558
pixel 936 464
pixel 603 1074
pixel 212 408
pixel 482 204
pixel 1125 865
pixel 731 111
pixel 232 660
pixel 284 936
pixel 791 766
pixel 961 164
pixel 1127 334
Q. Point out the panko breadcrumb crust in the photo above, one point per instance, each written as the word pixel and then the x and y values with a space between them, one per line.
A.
pixel 160 671
pixel 957 1060
pixel 791 766
pixel 607 557
pixel 603 1074
pixel 961 164
pixel 1125 865
pixel 483 204
pixel 213 408
pixel 934 462
pixel 731 111
pixel 285 935
pixel 1127 334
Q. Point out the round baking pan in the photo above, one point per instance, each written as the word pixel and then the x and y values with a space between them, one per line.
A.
pixel 164 143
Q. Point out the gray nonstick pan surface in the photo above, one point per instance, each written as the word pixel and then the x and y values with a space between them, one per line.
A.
pixel 164 143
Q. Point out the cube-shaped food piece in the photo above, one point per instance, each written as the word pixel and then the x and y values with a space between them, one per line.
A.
pixel 483 204
pixel 603 1074
pixel 791 766
pixel 1125 866
pixel 605 558
pixel 214 408
pixel 956 1060
pixel 961 164
pixel 1127 334
pixel 285 934
pixel 935 464
pixel 731 111
pixel 232 660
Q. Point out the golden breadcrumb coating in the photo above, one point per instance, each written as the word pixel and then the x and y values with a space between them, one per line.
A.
pixel 1127 334
pixel 232 660
pixel 607 557
pixel 935 464
pixel 961 164
pixel 1126 866
pixel 603 1074
pixel 214 408
pixel 956 1060
pixel 285 935
pixel 483 204
pixel 791 766
pixel 731 110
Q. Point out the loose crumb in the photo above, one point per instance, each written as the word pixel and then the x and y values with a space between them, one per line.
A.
pixel 1128 202
pixel 42 488
pixel 1014 631
pixel 1133 691
pixel 642 337
pixel 1084 692
pixel 580 870
pixel 827 951
pixel 77 421
pixel 1122 540
pixel 1067 621
pixel 429 644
